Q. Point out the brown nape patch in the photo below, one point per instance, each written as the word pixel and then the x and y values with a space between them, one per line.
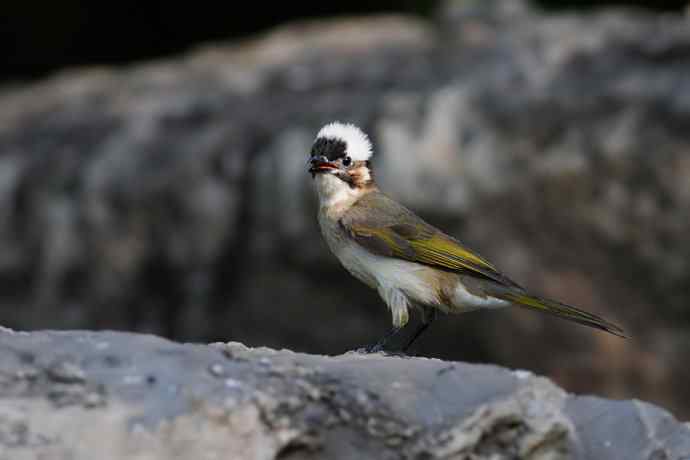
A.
pixel 361 174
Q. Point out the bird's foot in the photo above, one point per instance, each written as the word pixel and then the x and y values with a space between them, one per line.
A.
pixel 359 351
pixel 378 349
pixel 378 346
pixel 375 348
pixel 397 354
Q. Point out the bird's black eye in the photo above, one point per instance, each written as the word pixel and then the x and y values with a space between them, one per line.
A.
pixel 347 161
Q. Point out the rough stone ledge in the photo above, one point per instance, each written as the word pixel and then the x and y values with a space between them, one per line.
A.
pixel 115 395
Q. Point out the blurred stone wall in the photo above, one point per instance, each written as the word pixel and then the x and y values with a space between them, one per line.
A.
pixel 172 196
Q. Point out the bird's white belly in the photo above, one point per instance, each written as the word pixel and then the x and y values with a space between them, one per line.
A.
pixel 387 273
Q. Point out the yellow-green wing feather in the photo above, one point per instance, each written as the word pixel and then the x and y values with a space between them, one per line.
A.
pixel 388 228
pixel 440 250
pixel 422 244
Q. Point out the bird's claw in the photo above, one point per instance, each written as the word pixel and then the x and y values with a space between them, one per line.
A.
pixel 375 348
pixel 369 350
pixel 378 349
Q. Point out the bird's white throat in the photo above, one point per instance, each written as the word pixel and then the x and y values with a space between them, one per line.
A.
pixel 335 194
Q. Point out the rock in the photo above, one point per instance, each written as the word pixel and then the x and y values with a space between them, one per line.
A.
pixel 171 197
pixel 159 401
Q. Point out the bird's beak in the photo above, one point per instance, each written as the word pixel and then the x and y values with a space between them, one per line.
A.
pixel 321 165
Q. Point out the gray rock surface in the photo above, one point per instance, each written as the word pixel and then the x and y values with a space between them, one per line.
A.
pixel 76 395
pixel 171 197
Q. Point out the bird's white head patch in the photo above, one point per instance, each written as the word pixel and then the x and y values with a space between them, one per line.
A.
pixel 357 142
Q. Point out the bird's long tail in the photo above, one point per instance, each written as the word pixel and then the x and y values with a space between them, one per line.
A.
pixel 562 311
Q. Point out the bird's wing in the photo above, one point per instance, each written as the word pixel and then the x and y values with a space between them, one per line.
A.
pixel 386 228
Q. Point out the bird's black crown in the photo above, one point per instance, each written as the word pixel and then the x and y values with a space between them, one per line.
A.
pixel 328 147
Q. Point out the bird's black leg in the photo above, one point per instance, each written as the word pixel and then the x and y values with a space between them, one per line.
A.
pixel 378 346
pixel 429 317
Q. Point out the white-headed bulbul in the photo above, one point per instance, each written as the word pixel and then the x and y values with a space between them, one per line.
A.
pixel 409 262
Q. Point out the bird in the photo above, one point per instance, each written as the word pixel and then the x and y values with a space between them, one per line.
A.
pixel 411 263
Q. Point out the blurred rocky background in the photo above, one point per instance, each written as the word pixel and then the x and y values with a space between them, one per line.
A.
pixel 170 196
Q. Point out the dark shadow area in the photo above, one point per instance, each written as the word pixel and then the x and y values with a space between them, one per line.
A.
pixel 38 38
